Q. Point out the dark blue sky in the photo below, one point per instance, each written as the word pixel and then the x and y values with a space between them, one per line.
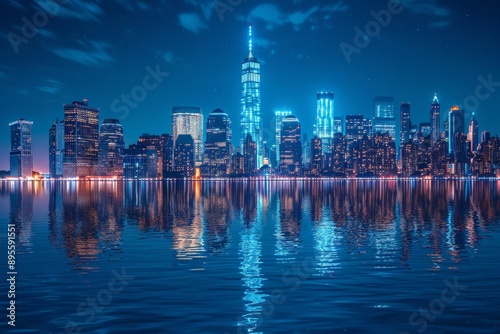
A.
pixel 102 49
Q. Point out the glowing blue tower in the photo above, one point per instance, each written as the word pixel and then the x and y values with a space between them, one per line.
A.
pixel 251 117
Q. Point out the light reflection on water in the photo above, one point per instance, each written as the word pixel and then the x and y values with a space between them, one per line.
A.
pixel 232 243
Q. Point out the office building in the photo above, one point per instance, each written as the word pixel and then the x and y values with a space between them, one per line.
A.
pixel 56 149
pixel 251 122
pixel 21 158
pixel 473 135
pixel 111 148
pixel 189 121
pixel 218 148
pixel 435 119
pixel 325 121
pixel 279 115
pixel 405 123
pixel 184 155
pixel 384 120
pixel 81 138
pixel 290 147
pixel 455 125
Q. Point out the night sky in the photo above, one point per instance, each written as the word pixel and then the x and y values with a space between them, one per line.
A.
pixel 100 50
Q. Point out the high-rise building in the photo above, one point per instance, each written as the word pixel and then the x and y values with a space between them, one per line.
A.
pixel 279 116
pixel 56 149
pixel 184 155
pixel 325 121
pixel 456 125
pixel 316 156
pixel 473 135
pixel 435 119
pixel 337 124
pixel 384 120
pixel 135 164
pixel 405 127
pixel 251 122
pixel 338 153
pixel 189 121
pixel 146 142
pixel 218 143
pixel 290 147
pixel 111 148
pixel 250 155
pixel 81 137
pixel 21 158
pixel 357 126
pixel 425 129
pixel 167 145
pixel 306 151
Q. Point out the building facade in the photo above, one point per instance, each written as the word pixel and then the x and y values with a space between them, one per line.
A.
pixel 251 122
pixel 189 121
pixel 21 158
pixel 325 119
pixel 218 148
pixel 435 119
pixel 56 149
pixel 290 147
pixel 111 148
pixel 81 137
pixel 384 120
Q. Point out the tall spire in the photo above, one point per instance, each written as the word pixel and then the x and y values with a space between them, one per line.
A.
pixel 250 55
pixel 435 98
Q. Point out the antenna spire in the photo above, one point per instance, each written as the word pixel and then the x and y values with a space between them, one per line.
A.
pixel 250 55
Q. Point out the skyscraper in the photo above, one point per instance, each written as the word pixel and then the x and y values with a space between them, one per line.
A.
pixel 455 125
pixel 384 120
pixel 251 116
pixel 167 148
pixel 316 156
pixel 218 143
pixel 21 159
pixel 290 147
pixel 337 127
pixel 250 156
pixel 325 120
pixel 189 121
pixel 111 148
pixel 435 119
pixel 404 131
pixel 356 127
pixel 279 116
pixel 56 149
pixel 184 155
pixel 473 135
pixel 81 135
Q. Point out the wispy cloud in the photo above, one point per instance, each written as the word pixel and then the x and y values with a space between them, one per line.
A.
pixel 93 53
pixel 76 9
pixel 51 86
pixel 168 56
pixel 426 7
pixel 206 7
pixel 192 22
pixel 273 16
pixel 16 4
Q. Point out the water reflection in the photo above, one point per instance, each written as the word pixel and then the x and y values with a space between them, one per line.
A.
pixel 389 224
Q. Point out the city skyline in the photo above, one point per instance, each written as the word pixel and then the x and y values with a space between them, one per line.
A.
pixel 285 38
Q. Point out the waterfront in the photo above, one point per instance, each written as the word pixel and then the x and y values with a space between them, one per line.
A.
pixel 316 256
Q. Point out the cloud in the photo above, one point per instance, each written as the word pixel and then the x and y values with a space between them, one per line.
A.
pixel 272 16
pixel 76 9
pixel 51 86
pixel 429 7
pixel 206 7
pixel 94 53
pixel 46 33
pixel 192 22
pixel 16 4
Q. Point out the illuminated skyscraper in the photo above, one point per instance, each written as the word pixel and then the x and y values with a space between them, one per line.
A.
pixel 184 155
pixel 81 136
pixel 251 116
pixel 435 119
pixel 189 121
pixel 111 148
pixel 279 116
pixel 56 149
pixel 21 159
pixel 404 132
pixel 456 125
pixel 218 144
pixel 290 147
pixel 338 124
pixel 473 135
pixel 384 120
pixel 325 121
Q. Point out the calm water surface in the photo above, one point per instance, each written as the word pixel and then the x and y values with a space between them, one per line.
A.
pixel 254 257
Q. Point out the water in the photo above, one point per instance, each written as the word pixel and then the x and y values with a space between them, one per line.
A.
pixel 254 257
